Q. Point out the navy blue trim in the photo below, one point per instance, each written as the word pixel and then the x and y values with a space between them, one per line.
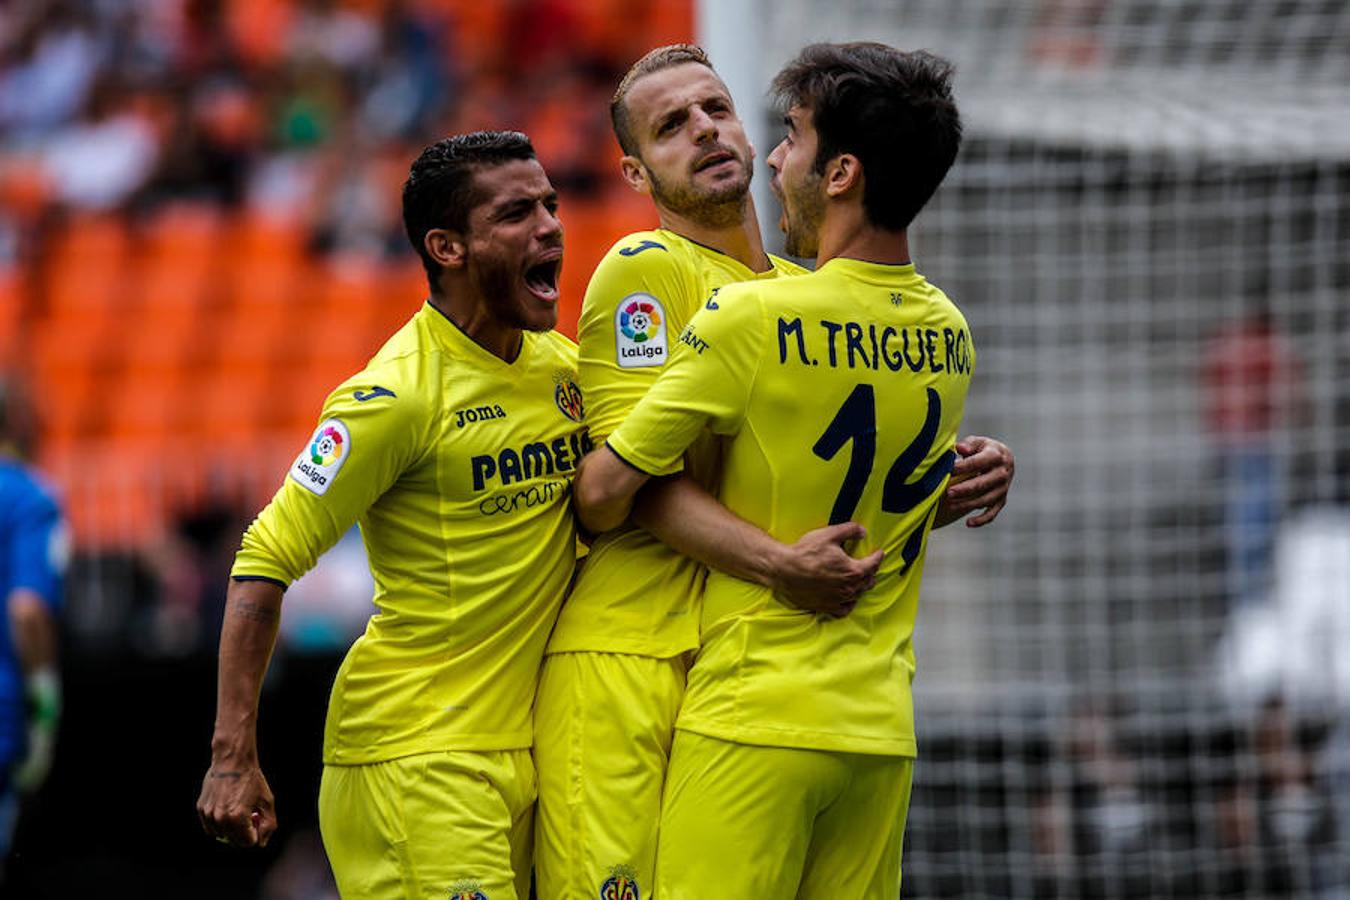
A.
pixel 280 584
pixel 620 457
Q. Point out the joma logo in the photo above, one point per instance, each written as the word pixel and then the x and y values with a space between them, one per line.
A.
pixel 478 414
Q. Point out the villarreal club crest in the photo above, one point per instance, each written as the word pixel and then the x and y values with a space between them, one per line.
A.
pixel 567 395
pixel 620 885
pixel 467 890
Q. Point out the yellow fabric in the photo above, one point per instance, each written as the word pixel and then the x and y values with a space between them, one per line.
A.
pixel 636 595
pixel 603 727
pixel 841 393
pixel 778 823
pixel 456 824
pixel 459 470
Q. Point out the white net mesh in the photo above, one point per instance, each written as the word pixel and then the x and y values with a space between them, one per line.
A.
pixel 1132 685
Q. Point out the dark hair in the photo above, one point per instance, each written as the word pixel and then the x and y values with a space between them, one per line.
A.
pixel 666 57
pixel 439 192
pixel 892 110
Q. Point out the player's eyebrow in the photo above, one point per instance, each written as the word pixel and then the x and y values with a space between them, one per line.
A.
pixel 674 117
pixel 516 205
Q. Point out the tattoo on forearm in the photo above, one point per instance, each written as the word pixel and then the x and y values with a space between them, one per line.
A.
pixel 255 611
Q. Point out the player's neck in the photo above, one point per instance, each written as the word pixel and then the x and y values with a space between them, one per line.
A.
pixel 740 240
pixel 501 340
pixel 845 233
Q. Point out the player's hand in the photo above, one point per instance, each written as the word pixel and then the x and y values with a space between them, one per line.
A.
pixel 236 805
pixel 818 574
pixel 981 478
pixel 37 764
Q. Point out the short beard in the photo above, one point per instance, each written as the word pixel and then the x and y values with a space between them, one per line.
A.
pixel 803 229
pixel 722 208
pixel 496 284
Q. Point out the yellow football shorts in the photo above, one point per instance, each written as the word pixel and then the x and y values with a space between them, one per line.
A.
pixel 454 825
pixel 777 823
pixel 603 725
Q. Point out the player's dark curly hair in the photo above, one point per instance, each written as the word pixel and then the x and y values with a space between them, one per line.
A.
pixel 440 190
pixel 893 110
pixel 656 60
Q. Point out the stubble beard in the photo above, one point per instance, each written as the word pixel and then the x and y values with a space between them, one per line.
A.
pixel 722 207
pixel 804 218
pixel 496 283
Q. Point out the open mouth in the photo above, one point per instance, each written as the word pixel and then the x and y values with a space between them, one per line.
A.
pixel 542 279
pixel 714 159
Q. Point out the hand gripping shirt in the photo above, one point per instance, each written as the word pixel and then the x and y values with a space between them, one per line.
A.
pixel 634 594
pixel 841 393
pixel 458 467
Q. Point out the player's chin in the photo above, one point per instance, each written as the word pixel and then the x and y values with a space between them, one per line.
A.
pixel 538 313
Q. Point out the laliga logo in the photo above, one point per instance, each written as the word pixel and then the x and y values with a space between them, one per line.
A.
pixel 639 320
pixel 326 448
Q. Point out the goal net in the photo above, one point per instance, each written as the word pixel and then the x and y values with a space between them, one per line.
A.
pixel 1135 684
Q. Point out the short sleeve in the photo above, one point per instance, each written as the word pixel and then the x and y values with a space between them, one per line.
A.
pixel 365 440
pixel 707 384
pixel 637 301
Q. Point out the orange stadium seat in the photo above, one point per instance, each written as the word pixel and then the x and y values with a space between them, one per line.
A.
pixel 13 306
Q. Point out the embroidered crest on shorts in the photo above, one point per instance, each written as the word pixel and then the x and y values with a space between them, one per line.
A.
pixel 466 890
pixel 318 464
pixel 640 332
pixel 621 884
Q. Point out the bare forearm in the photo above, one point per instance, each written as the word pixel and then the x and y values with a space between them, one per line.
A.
pixel 690 520
pixel 33 628
pixel 603 490
pixel 249 632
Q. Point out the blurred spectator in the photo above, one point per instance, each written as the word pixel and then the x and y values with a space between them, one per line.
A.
pixel 100 160
pixel 48 69
pixel 1279 822
pixel 1249 376
pixel 1094 827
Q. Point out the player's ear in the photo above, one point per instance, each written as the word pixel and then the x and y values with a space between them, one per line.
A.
pixel 447 247
pixel 843 173
pixel 635 173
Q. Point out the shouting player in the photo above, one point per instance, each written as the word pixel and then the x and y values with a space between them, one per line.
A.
pixel 453 449
pixel 615 674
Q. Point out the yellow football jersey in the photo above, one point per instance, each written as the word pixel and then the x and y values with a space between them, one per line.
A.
pixel 635 594
pixel 841 393
pixel 458 467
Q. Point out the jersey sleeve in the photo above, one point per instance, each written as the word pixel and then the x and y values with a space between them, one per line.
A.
pixel 636 303
pixel 359 449
pixel 38 549
pixel 707 384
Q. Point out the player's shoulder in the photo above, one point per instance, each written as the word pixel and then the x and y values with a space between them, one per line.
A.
pixel 24 490
pixel 645 254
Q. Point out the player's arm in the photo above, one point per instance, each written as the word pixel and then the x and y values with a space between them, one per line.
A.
pixel 816 573
pixel 365 441
pixel 706 384
pixel 36 560
pixel 236 803
pixel 981 478
pixel 604 488
pixel 33 630
pixel 632 310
